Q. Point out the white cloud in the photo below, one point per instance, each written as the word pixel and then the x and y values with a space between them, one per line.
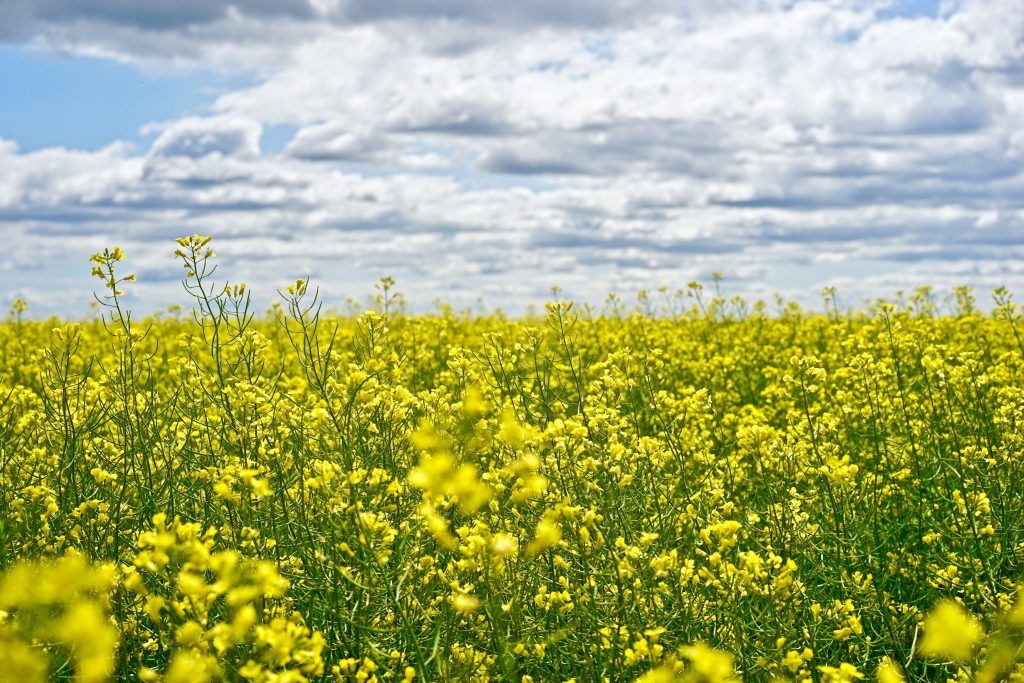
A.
pixel 335 141
pixel 196 138
pixel 788 144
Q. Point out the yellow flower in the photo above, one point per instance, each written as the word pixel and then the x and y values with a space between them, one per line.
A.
pixel 438 475
pixel 844 673
pixel 950 633
pixel 710 665
pixel 188 667
pixel 503 544
pixel 19 661
pixel 547 534
pixel 464 603
pixel 889 672
pixel 188 634
pixel 662 674
pixel 92 640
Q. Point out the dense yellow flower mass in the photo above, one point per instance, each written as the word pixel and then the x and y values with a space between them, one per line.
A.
pixel 701 489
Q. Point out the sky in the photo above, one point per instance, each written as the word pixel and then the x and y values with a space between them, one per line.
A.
pixel 479 151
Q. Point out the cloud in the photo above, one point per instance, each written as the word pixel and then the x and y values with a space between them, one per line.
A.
pixel 589 13
pixel 334 142
pixel 512 162
pixel 471 149
pixel 26 17
pixel 195 138
pixel 233 32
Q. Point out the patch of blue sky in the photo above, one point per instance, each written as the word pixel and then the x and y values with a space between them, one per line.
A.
pixel 910 9
pixel 276 136
pixel 47 100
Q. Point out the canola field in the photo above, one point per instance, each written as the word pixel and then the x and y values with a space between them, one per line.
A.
pixel 691 488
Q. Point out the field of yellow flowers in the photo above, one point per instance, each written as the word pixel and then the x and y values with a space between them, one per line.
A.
pixel 691 489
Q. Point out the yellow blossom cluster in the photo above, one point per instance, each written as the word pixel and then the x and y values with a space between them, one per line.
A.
pixel 705 489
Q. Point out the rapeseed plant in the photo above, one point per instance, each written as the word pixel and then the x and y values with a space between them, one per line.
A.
pixel 692 490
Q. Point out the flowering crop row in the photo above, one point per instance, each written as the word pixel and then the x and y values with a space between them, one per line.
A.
pixel 707 492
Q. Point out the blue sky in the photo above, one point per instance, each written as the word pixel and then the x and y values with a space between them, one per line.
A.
pixel 910 9
pixel 88 102
pixel 479 150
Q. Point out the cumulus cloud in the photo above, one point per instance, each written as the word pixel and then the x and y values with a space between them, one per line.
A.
pixel 335 141
pixel 28 16
pixel 195 138
pixel 201 30
pixel 595 13
pixel 473 149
